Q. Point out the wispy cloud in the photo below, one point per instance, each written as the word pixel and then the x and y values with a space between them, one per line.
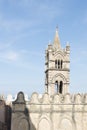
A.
pixel 9 56
pixel 34 14
pixel 14 25
pixel 7 53
pixel 4 46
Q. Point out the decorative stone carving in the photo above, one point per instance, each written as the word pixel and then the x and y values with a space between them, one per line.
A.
pixel 34 101
pixel 56 99
pixel 67 98
pixel 46 99
pixel 34 98
pixel 78 98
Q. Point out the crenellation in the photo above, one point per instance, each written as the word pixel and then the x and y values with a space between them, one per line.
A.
pixel 58 108
pixel 56 98
pixel 67 98
pixel 78 98
pixel 34 98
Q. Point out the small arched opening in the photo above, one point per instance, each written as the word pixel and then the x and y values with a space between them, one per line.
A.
pixel 61 87
pixel 56 86
pixel 58 64
pixel 61 64
pixel 55 63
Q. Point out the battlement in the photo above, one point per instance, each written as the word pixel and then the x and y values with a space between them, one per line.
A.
pixel 36 98
pixel 56 109
pixel 58 100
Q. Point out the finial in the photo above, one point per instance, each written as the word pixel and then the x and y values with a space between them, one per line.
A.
pixel 57 28
pixel 56 39
pixel 56 31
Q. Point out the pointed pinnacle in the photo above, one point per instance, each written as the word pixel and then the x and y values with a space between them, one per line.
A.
pixel 56 39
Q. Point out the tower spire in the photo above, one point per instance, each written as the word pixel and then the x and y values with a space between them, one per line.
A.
pixel 57 67
pixel 57 40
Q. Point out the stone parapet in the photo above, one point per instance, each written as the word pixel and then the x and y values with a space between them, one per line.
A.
pixel 57 102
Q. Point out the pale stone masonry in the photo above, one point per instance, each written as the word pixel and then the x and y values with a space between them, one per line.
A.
pixel 56 109
pixel 57 67
pixel 57 112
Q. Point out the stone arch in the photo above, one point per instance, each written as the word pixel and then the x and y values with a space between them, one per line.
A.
pixel 61 55
pixel 59 77
pixel 66 123
pixel 59 60
pixel 44 123
pixel 55 77
pixel 62 81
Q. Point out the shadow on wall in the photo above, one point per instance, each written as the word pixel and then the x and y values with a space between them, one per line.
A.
pixel 8 117
pixel 20 119
pixel 5 116
pixel 32 127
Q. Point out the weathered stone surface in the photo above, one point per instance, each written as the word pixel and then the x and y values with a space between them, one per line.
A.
pixel 57 64
pixel 5 116
pixel 20 118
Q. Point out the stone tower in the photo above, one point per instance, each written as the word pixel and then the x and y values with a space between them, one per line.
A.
pixel 57 70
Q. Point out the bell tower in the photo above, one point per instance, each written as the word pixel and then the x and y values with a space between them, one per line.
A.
pixel 57 64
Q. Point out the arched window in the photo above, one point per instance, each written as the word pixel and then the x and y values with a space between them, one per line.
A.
pixel 61 87
pixel 44 124
pixel 56 86
pixel 58 64
pixel 55 63
pixel 47 56
pixel 61 64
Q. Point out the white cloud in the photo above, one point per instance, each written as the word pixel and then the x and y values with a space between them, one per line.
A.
pixel 6 53
pixel 14 25
pixel 32 15
pixel 12 56
pixel 9 56
pixel 3 46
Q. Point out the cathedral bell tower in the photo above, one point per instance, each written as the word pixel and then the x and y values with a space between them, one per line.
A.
pixel 57 64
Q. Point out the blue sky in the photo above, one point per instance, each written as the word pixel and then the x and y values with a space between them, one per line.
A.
pixel 26 26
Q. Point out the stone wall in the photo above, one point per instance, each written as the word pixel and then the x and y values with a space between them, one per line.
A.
pixel 5 116
pixel 58 112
